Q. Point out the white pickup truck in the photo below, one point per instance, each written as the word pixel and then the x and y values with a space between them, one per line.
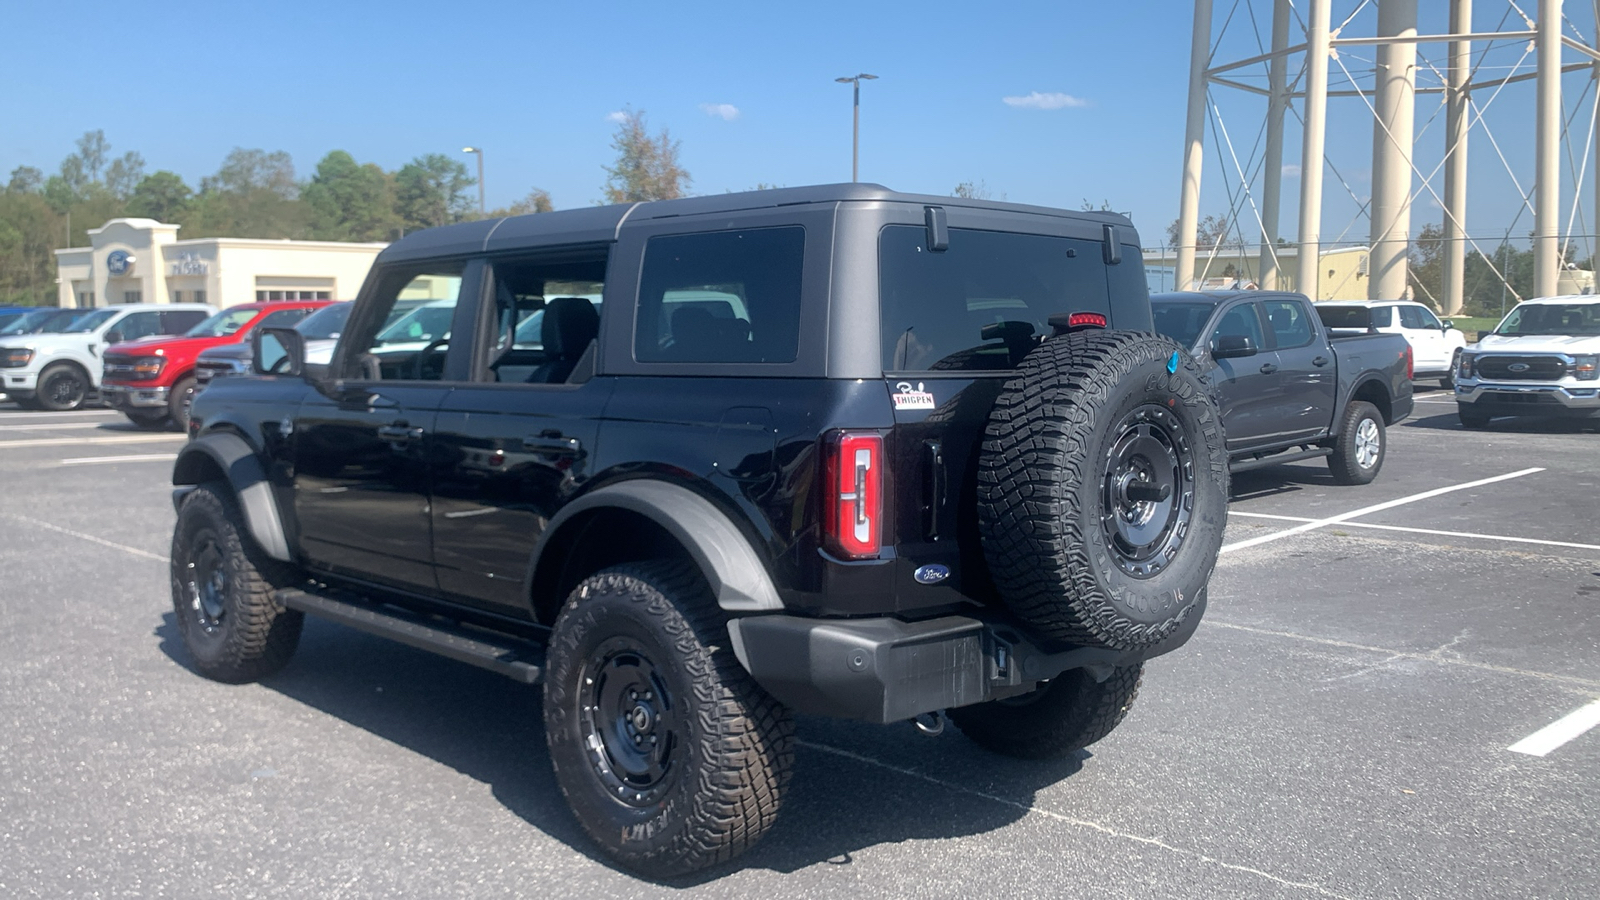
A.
pixel 59 370
pixel 1541 360
pixel 1433 343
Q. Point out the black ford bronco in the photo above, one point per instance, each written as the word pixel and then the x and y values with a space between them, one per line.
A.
pixel 696 465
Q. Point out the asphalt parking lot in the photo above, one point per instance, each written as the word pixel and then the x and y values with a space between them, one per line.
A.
pixel 1341 726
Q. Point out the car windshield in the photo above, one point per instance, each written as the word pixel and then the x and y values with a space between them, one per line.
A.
pixel 1552 319
pixel 88 323
pixel 427 323
pixel 326 323
pixel 36 321
pixel 223 323
pixel 1181 321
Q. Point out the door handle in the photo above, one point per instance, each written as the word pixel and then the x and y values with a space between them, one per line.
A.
pixel 552 444
pixel 398 432
pixel 1268 368
pixel 1320 361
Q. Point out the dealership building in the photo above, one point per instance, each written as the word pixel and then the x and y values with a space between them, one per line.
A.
pixel 142 261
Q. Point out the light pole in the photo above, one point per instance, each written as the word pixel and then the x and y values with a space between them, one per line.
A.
pixel 482 210
pixel 855 137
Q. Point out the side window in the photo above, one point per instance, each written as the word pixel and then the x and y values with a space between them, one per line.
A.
pixel 139 325
pixel 1426 318
pixel 1241 321
pixel 1382 316
pixel 181 320
pixel 1409 317
pixel 1291 323
pixel 728 296
pixel 546 315
pixel 412 346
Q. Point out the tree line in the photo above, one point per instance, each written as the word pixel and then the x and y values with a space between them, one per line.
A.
pixel 257 194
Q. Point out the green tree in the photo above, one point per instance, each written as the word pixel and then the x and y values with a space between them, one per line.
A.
pixel 431 190
pixel 537 201
pixel 1210 232
pixel 93 148
pixel 161 196
pixel 254 194
pixel 124 174
pixel 25 180
pixel 30 230
pixel 972 190
pixel 647 168
pixel 348 201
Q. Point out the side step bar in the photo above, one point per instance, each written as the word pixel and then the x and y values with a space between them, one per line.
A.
pixel 1261 462
pixel 521 661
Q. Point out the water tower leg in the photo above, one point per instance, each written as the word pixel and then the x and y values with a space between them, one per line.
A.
pixel 1193 142
pixel 1547 151
pixel 1318 20
pixel 1392 134
pixel 1272 165
pixel 1457 117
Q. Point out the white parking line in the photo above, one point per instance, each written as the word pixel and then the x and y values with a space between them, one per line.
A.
pixel 1368 510
pixel 139 457
pixel 73 442
pixel 1564 729
pixel 53 415
pixel 64 426
pixel 1463 534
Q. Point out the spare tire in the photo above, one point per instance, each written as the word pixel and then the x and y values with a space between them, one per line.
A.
pixel 1103 489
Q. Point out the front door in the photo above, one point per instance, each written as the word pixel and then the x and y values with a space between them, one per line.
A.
pixel 363 442
pixel 1425 333
pixel 1247 386
pixel 1305 390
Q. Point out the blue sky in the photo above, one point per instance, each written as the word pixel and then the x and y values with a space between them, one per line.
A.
pixel 534 83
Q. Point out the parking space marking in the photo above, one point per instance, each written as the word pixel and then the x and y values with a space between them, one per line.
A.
pixel 1368 510
pixel 43 414
pixel 1562 730
pixel 37 523
pixel 1405 528
pixel 63 426
pixel 113 439
pixel 137 457
pixel 1081 823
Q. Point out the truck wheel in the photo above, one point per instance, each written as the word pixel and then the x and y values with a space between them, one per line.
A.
pixel 1063 716
pixel 1358 451
pixel 222 593
pixel 1471 418
pixel 670 756
pixel 146 418
pixel 179 400
pixel 1103 489
pixel 62 387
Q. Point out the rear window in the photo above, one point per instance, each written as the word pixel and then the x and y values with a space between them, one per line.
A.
pixel 984 302
pixel 1344 316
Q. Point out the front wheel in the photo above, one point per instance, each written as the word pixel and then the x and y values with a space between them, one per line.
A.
pixel 179 401
pixel 1471 418
pixel 1065 715
pixel 1358 451
pixel 670 756
pixel 62 387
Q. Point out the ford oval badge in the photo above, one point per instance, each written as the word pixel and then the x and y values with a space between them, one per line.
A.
pixel 932 574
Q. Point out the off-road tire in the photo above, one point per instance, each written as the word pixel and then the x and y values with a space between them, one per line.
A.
pixel 1471 418
pixel 62 387
pixel 147 418
pixel 731 744
pixel 1354 460
pixel 1053 526
pixel 237 633
pixel 179 399
pixel 1065 715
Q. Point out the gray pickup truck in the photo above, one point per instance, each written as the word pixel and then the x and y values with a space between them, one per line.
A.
pixel 1287 390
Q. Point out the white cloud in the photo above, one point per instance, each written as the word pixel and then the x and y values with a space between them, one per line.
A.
pixel 1053 100
pixel 1291 171
pixel 724 111
pixel 618 116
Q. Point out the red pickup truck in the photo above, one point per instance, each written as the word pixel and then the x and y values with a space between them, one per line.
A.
pixel 152 380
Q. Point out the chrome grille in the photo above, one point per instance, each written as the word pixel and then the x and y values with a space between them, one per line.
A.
pixel 1521 368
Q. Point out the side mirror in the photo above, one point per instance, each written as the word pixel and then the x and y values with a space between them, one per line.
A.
pixel 1232 346
pixel 1447 325
pixel 113 336
pixel 277 351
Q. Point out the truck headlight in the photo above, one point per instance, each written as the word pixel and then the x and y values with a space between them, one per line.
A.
pixel 148 367
pixel 15 357
pixel 1464 366
pixel 1584 368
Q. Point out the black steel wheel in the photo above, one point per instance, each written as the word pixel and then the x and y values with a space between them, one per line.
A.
pixel 670 756
pixel 62 387
pixel 1147 490
pixel 180 400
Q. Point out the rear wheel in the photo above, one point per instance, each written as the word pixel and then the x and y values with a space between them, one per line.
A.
pixel 1471 418
pixel 1063 716
pixel 1358 451
pixel 62 387
pixel 670 756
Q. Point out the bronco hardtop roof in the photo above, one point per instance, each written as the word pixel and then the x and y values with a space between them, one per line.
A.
pixel 598 224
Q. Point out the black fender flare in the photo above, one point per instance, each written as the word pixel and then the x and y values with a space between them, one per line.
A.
pixel 243 470
pixel 737 577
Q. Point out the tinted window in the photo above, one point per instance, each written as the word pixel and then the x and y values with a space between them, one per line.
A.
pixel 1410 317
pixel 1382 316
pixel 1182 321
pixel 1290 322
pixel 1241 320
pixel 984 302
pixel 1344 316
pixel 1426 318
pixel 180 321
pixel 1553 318
pixel 729 296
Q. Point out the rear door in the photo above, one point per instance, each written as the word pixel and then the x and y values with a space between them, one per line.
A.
pixel 362 444
pixel 1303 399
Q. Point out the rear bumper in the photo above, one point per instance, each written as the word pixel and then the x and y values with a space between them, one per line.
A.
pixel 124 396
pixel 1512 399
pixel 887 670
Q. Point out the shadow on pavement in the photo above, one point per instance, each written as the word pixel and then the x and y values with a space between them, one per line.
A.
pixel 490 729
pixel 1519 425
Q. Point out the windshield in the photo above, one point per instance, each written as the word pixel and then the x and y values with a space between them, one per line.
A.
pixel 30 323
pixel 1182 321
pixel 88 323
pixel 223 323
pixel 427 323
pixel 1552 319
pixel 324 324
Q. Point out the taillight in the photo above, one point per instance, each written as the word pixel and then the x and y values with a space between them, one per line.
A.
pixel 1086 320
pixel 1409 361
pixel 852 520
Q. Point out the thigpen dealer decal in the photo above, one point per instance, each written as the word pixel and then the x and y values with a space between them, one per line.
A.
pixel 907 398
